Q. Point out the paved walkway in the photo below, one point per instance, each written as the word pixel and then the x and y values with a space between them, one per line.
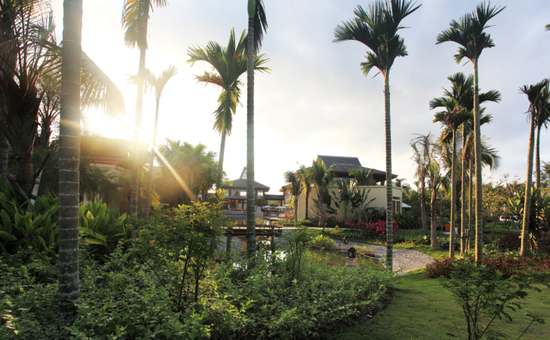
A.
pixel 404 260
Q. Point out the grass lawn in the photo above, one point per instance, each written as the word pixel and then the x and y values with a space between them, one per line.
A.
pixel 423 309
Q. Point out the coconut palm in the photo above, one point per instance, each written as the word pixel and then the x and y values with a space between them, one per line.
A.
pixel 135 19
pixel 469 33
pixel 229 63
pixel 69 154
pixel 158 84
pixel 538 98
pixel 362 176
pixel 294 188
pixel 257 25
pixel 377 28
pixel 422 158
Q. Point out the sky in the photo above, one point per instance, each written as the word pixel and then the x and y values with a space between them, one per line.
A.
pixel 316 100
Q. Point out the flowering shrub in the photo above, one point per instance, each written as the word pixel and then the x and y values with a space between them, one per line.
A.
pixel 371 229
pixel 289 215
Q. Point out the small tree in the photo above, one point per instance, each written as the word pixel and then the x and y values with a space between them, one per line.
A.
pixel 294 188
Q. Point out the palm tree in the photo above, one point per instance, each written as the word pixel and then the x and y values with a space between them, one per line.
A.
pixel 189 165
pixel 229 63
pixel 537 95
pixel 294 188
pixel 436 180
pixel 377 29
pixel 469 33
pixel 421 157
pixel 321 177
pixel 305 177
pixel 69 155
pixel 158 83
pixel 362 176
pixel 542 119
pixel 257 25
pixel 458 103
pixel 24 66
pixel 135 19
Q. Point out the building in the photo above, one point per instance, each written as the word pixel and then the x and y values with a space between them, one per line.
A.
pixel 236 193
pixel 342 168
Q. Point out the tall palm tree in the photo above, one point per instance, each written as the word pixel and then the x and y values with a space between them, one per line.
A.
pixel 469 33
pixel 377 29
pixel 294 188
pixel 257 26
pixel 135 19
pixel 158 83
pixel 422 158
pixel 305 177
pixel 69 155
pixel 542 120
pixel 537 95
pixel 229 63
pixel 458 103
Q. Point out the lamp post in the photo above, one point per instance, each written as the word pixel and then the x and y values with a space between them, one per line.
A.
pixel 345 245
pixel 351 260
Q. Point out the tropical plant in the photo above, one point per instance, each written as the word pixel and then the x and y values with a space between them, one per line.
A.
pixel 294 188
pixel 377 29
pixel 257 26
pixel 135 19
pixel 191 167
pixel 436 181
pixel 350 201
pixel 458 103
pixel 421 158
pixel 30 68
pixel 229 63
pixel 362 176
pixel 322 177
pixel 538 102
pixel 469 33
pixel 157 84
pixel 305 176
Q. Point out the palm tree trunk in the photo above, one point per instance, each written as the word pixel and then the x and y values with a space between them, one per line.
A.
pixel 470 200
pixel 307 203
pixel 423 204
pixel 389 188
pixel 453 199
pixel 435 242
pixel 3 157
pixel 479 187
pixel 220 162
pixel 537 158
pixel 528 184
pixel 25 173
pixel 69 159
pixel 463 193
pixel 151 164
pixel 134 190
pixel 250 187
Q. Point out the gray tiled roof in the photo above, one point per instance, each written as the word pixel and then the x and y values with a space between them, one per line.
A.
pixel 241 184
pixel 343 164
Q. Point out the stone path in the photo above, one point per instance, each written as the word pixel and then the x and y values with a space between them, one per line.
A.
pixel 404 260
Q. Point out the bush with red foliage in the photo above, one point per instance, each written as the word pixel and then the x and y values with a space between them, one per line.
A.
pixel 508 266
pixel 510 242
pixel 371 229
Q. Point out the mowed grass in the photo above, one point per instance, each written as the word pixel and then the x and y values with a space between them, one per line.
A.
pixel 423 309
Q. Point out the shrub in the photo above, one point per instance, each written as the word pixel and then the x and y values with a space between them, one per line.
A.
pixel 323 241
pixel 508 266
pixel 371 230
pixel 511 241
